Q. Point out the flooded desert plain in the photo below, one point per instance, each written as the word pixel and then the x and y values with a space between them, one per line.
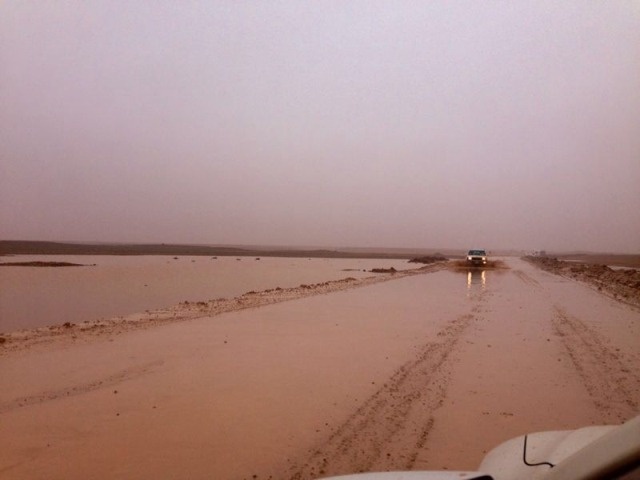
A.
pixel 307 368
pixel 108 285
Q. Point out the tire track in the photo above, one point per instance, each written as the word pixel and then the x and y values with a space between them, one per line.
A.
pixel 612 385
pixel 526 278
pixel 391 427
pixel 80 389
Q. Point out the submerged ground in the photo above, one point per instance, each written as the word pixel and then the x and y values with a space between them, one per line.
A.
pixel 416 370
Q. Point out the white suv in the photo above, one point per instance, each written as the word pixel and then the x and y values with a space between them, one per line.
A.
pixel 477 257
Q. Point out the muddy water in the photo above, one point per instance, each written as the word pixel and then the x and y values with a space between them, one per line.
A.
pixel 111 285
pixel 419 373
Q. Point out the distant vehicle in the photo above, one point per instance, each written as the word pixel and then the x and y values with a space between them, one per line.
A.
pixel 477 257
pixel 589 453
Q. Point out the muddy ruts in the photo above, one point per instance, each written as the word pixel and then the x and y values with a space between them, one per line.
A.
pixel 392 426
pixel 81 388
pixel 614 387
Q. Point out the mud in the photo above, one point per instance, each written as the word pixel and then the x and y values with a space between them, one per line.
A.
pixel 383 270
pixel 622 285
pixel 410 372
pixel 389 429
pixel 611 384
pixel 428 259
pixel 42 264
pixel 464 266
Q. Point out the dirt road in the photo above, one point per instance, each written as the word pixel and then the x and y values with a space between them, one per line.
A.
pixel 533 352
pixel 424 372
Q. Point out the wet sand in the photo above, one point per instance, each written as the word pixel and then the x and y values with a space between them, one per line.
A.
pixel 422 371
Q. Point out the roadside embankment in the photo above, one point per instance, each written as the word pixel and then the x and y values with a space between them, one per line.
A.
pixel 622 284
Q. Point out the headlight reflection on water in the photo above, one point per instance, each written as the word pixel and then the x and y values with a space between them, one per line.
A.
pixel 476 278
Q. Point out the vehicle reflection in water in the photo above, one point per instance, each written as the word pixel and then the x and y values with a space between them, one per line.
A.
pixel 476 277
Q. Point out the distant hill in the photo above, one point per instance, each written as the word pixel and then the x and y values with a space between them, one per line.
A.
pixel 17 247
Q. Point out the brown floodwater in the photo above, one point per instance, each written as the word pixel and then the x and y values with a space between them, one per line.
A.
pixel 120 285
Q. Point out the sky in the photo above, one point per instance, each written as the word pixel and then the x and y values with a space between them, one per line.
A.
pixel 417 124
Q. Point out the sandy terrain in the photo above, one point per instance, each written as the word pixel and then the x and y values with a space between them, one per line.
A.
pixel 622 284
pixel 413 370
pixel 620 260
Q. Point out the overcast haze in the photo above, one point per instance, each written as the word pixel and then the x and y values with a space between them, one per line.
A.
pixel 336 123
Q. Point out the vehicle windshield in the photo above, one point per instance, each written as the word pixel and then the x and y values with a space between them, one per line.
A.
pixel 477 252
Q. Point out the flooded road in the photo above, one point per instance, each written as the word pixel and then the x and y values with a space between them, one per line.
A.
pixel 542 353
pixel 422 372
pixel 527 351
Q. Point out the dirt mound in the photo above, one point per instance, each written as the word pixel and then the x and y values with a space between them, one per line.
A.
pixel 622 284
pixel 41 264
pixel 383 270
pixel 428 259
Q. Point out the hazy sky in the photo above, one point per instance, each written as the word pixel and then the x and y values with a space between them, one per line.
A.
pixel 499 124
